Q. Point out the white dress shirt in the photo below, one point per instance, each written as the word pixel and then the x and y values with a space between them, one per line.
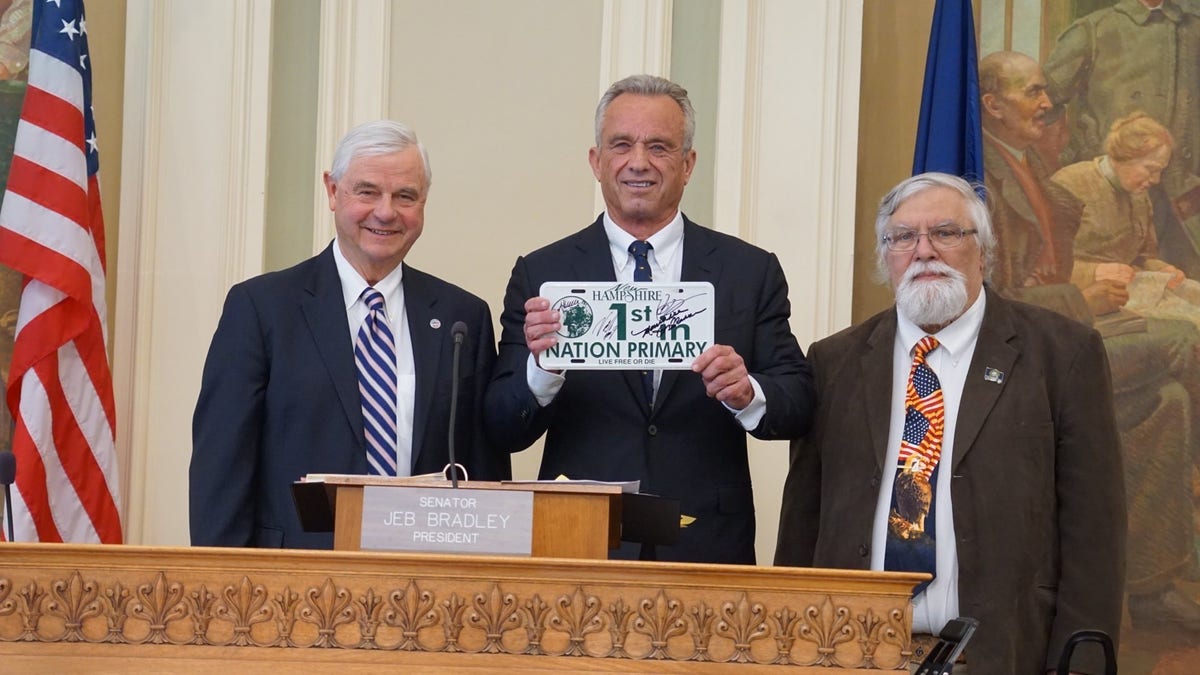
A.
pixel 938 603
pixel 666 264
pixel 392 290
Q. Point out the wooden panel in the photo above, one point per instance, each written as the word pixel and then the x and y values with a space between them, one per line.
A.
pixel 570 525
pixel 347 518
pixel 73 608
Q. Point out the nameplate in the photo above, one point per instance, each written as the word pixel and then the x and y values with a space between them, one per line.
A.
pixel 446 520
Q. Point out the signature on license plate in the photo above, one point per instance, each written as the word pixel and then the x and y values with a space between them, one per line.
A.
pixel 620 325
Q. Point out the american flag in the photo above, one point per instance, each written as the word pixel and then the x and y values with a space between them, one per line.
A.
pixel 52 231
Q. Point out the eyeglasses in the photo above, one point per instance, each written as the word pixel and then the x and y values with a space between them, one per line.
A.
pixel 940 238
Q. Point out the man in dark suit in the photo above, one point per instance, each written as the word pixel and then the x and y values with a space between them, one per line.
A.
pixel 282 395
pixel 1026 510
pixel 681 433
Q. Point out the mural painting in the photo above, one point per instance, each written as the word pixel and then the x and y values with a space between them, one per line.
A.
pixel 1091 125
pixel 16 17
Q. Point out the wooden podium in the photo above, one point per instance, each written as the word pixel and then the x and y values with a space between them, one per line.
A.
pixel 121 609
pixel 570 520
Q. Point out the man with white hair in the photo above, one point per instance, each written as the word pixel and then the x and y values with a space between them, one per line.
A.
pixel 969 436
pixel 340 364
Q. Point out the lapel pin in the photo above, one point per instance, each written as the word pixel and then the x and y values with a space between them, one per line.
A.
pixel 435 323
pixel 993 375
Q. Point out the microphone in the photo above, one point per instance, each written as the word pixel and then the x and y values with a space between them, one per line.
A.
pixel 459 331
pixel 8 473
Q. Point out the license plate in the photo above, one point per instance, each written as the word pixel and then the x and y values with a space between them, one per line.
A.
pixel 624 326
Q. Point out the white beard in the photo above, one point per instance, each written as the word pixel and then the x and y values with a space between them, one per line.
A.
pixel 934 302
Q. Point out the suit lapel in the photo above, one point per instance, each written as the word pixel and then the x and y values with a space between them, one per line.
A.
pixel 325 313
pixel 594 262
pixel 993 349
pixel 875 384
pixel 427 345
pixel 700 263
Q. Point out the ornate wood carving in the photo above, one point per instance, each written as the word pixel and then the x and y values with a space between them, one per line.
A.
pixel 445 605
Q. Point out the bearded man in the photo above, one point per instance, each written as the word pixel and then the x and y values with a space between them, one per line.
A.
pixel 999 412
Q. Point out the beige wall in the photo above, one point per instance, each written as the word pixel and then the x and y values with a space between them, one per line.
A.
pixel 506 115
pixel 502 93
pixel 106 41
pixel 889 108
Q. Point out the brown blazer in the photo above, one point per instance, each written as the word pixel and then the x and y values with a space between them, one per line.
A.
pixel 1038 493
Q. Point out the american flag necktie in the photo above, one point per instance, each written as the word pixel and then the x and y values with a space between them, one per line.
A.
pixel 910 540
pixel 641 272
pixel 375 356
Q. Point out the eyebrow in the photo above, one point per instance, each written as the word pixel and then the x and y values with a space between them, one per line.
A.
pixel 648 141
pixel 944 223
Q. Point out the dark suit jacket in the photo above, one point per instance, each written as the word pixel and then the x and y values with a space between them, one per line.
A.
pixel 690 447
pixel 1038 492
pixel 279 399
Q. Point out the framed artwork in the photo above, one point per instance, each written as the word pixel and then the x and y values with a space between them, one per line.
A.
pixel 1091 116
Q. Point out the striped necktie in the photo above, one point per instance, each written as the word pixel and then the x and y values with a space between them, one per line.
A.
pixel 375 356
pixel 641 272
pixel 910 541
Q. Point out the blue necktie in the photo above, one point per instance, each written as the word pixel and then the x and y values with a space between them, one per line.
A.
pixel 641 272
pixel 375 356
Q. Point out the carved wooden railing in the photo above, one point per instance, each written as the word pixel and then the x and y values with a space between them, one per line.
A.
pixel 206 610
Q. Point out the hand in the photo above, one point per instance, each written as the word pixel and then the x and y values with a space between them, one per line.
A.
pixel 725 377
pixel 1115 272
pixel 1177 275
pixel 1103 297
pixel 541 324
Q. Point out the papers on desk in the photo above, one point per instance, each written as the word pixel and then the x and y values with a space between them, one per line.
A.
pixel 629 486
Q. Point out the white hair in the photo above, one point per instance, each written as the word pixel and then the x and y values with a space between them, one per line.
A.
pixel 977 211
pixel 382 137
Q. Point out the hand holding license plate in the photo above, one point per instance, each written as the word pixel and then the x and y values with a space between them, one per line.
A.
pixel 612 325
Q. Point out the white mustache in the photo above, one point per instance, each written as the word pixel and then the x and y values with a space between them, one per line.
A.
pixel 919 267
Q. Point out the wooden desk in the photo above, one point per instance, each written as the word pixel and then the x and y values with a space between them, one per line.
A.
pixel 70 608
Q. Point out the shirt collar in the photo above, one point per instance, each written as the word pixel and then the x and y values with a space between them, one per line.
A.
pixel 1141 14
pixel 1105 167
pixel 353 284
pixel 666 242
pixel 1019 154
pixel 954 338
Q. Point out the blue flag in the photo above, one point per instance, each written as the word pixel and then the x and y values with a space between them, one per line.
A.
pixel 949 135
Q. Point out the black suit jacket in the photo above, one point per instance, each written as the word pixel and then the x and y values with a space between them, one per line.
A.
pixel 279 399
pixel 1037 489
pixel 689 447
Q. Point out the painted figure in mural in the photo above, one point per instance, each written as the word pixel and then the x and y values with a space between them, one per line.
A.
pixel 16 21
pixel 10 296
pixel 1140 55
pixel 1028 508
pixel 1156 381
pixel 1116 239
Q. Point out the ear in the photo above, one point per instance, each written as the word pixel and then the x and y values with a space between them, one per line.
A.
pixel 330 189
pixel 594 161
pixel 990 104
pixel 689 163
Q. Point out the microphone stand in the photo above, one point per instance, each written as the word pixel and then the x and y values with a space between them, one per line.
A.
pixel 459 331
pixel 8 473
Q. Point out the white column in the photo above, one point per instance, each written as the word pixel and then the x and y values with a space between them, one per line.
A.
pixel 194 176
pixel 352 85
pixel 786 161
